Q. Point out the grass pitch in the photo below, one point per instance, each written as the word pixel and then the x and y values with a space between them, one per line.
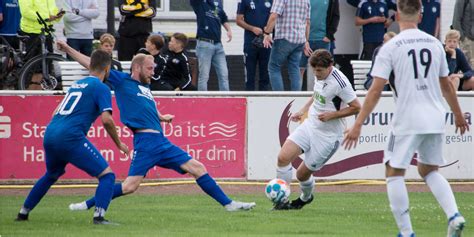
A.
pixel 330 214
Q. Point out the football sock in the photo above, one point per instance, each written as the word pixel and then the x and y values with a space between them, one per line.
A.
pixel 117 193
pixel 104 191
pixel 398 198
pixel 285 173
pixel 307 188
pixel 39 190
pixel 443 193
pixel 209 186
pixel 99 212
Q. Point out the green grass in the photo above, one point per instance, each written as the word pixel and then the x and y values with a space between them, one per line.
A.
pixel 331 214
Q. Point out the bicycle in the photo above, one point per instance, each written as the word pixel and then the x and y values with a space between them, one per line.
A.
pixel 40 72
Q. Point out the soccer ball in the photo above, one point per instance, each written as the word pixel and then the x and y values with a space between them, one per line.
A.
pixel 277 190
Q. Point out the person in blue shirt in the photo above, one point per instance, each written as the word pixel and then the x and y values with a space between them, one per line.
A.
pixel 252 15
pixel 430 21
pixel 151 148
pixel 65 139
pixel 372 16
pixel 209 50
pixel 10 21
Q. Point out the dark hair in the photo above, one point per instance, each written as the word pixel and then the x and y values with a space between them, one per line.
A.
pixel 157 40
pixel 182 38
pixel 321 58
pixel 100 60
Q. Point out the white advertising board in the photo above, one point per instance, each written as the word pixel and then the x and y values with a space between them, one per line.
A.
pixel 268 126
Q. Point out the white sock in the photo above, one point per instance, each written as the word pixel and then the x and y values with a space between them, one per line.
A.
pixel 99 212
pixel 307 188
pixel 24 211
pixel 285 173
pixel 398 198
pixel 443 193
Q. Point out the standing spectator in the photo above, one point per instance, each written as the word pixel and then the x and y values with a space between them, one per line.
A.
pixel 291 21
pixel 10 21
pixel 463 21
pixel 107 43
pixel 252 15
pixel 30 26
pixel 209 50
pixel 459 69
pixel 372 16
pixel 78 24
pixel 431 12
pixel 324 22
pixel 135 26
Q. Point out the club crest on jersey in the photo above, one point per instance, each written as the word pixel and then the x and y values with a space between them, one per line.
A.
pixel 382 10
pixel 268 4
pixel 434 9
pixel 145 92
pixel 318 97
pixel 175 60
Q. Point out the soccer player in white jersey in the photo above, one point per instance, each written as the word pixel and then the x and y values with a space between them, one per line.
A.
pixel 421 80
pixel 320 135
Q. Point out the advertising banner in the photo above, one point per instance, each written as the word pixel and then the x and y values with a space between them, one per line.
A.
pixel 268 129
pixel 212 130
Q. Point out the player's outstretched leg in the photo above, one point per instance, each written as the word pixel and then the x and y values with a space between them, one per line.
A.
pixel 40 188
pixel 103 196
pixel 399 203
pixel 306 196
pixel 89 203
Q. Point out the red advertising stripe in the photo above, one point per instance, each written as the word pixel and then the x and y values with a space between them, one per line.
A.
pixel 212 130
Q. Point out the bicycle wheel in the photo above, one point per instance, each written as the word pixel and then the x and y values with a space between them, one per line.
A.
pixel 31 75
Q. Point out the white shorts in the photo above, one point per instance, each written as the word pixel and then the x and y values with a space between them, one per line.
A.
pixel 401 148
pixel 318 149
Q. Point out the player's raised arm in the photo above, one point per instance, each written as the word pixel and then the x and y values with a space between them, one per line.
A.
pixel 76 55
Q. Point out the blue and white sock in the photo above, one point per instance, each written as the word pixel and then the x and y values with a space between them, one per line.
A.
pixel 117 193
pixel 209 186
pixel 105 190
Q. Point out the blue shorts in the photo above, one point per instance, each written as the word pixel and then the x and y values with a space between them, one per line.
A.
pixel 154 149
pixel 81 154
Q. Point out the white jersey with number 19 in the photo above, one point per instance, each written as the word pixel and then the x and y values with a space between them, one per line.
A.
pixel 418 61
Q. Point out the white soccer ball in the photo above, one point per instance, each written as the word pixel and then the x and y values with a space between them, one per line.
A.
pixel 277 190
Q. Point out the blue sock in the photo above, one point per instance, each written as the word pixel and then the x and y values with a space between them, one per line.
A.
pixel 39 190
pixel 117 193
pixel 209 185
pixel 105 190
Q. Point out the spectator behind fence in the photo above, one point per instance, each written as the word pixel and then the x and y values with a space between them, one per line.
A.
pixel 78 24
pixel 30 26
pixel 253 16
pixel 176 74
pixel 153 46
pixel 460 71
pixel 386 37
pixel 430 21
pixel 372 16
pixel 209 50
pixel 10 21
pixel 324 22
pixel 107 43
pixel 291 21
pixel 135 26
pixel 463 21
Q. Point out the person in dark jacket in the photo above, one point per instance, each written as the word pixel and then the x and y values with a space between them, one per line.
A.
pixel 176 74
pixel 135 26
pixel 460 72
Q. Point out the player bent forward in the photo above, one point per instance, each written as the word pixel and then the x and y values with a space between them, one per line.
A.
pixel 318 136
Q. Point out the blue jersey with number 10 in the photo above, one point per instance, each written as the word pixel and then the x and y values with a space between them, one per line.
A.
pixel 84 102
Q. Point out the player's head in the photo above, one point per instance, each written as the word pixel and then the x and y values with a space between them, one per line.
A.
pixel 107 42
pixel 154 42
pixel 409 11
pixel 178 42
pixel 321 61
pixel 452 39
pixel 143 68
pixel 388 36
pixel 100 63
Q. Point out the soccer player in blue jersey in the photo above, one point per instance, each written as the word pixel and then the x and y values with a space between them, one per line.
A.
pixel 65 139
pixel 138 111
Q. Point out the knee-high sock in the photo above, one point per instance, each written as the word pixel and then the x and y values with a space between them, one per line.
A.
pixel 398 198
pixel 209 186
pixel 104 193
pixel 285 173
pixel 307 188
pixel 117 193
pixel 37 193
pixel 442 191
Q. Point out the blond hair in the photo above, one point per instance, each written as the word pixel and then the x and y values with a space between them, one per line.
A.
pixel 390 34
pixel 140 58
pixel 107 38
pixel 453 34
